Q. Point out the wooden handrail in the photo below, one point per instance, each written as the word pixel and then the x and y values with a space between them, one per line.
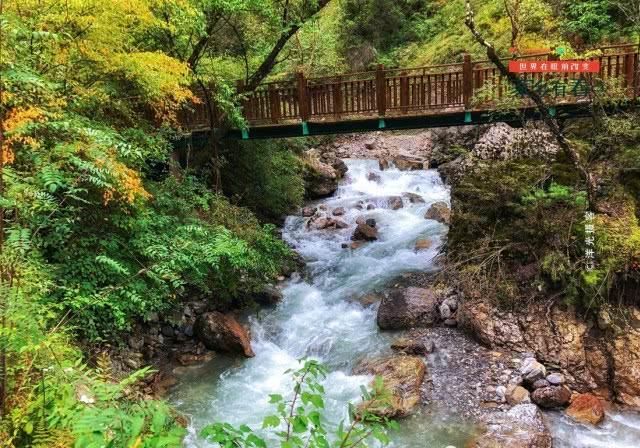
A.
pixel 399 91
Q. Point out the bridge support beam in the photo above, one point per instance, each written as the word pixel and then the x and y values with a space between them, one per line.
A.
pixel 381 123
pixel 245 133
pixel 467 116
pixel 305 128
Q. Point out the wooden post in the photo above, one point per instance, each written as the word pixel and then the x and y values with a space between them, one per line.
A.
pixel 303 103
pixel 404 93
pixel 629 75
pixel 381 91
pixel 274 102
pixel 337 97
pixel 467 81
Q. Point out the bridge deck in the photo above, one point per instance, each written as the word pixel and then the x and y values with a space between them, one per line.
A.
pixel 438 95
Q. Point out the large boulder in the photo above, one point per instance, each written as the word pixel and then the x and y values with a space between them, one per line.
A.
pixel 440 212
pixel 551 397
pixel 407 308
pixel 365 232
pixel 321 179
pixel 586 408
pixel 521 427
pixel 222 332
pixel 402 377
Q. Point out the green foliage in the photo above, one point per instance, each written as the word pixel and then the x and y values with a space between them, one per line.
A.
pixel 264 176
pixel 589 19
pixel 53 398
pixel 298 422
pixel 381 23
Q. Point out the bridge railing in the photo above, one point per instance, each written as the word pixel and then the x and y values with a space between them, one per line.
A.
pixel 409 91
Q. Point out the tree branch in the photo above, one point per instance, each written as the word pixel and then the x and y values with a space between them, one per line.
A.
pixel 270 60
pixel 543 109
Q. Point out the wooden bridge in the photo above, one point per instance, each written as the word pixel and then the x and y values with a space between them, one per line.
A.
pixel 439 95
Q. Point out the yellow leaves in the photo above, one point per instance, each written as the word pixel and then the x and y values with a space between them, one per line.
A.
pixel 14 124
pixel 162 80
pixel 18 118
pixel 129 185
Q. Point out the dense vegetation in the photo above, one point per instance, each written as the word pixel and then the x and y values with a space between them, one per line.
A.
pixel 99 227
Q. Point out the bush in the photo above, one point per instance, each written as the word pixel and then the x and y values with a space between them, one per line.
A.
pixel 265 176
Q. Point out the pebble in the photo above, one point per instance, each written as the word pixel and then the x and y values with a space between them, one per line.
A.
pixel 555 378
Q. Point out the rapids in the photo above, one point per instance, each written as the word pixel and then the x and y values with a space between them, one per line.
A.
pixel 320 318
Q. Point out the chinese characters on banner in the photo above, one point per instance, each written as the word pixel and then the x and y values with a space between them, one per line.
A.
pixel 589 240
pixel 554 66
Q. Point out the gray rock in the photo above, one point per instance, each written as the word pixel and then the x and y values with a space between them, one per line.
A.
pixel 339 211
pixel 269 295
pixel 408 308
pixel 439 212
pixel 532 371
pixel 451 303
pixel 556 379
pixel 394 202
pixel 445 311
pixel 413 198
pixel 167 330
pixel 516 380
pixel 451 323
pixel 136 342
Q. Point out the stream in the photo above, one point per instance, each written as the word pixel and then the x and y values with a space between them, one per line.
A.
pixel 320 317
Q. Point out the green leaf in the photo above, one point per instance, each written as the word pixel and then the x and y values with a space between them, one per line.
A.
pixel 271 421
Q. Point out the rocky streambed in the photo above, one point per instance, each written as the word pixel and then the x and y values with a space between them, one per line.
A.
pixel 462 373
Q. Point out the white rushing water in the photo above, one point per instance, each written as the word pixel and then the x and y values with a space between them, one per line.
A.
pixel 618 430
pixel 319 317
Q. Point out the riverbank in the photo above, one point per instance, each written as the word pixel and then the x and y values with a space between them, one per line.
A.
pixel 474 354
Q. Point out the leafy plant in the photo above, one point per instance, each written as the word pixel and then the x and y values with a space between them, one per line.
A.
pixel 298 421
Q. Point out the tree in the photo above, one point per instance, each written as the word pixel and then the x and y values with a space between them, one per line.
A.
pixel 566 146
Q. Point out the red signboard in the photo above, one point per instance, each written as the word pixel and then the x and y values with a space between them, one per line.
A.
pixel 554 66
